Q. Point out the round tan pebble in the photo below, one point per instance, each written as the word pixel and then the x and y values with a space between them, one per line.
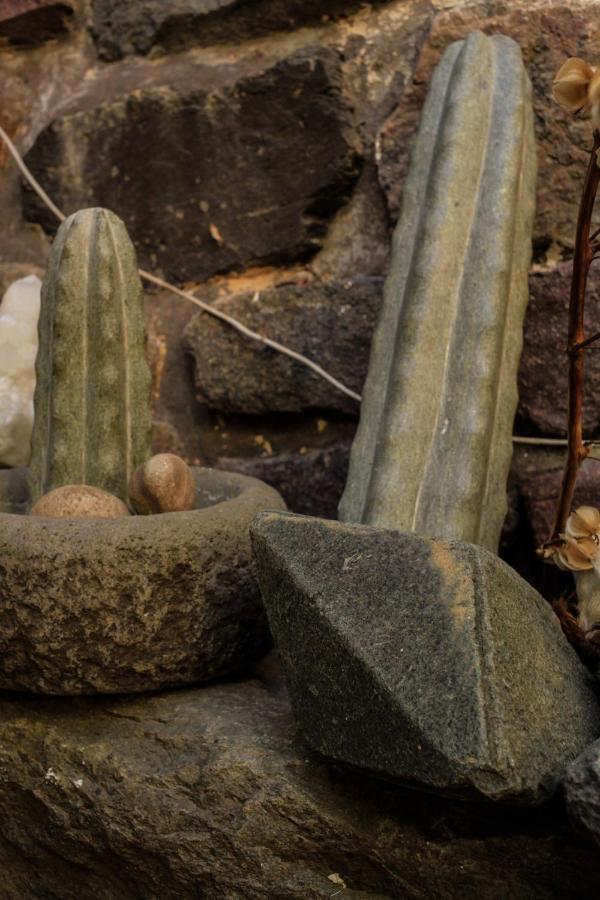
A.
pixel 162 484
pixel 79 500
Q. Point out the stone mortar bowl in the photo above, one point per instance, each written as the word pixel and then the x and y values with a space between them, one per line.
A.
pixel 90 605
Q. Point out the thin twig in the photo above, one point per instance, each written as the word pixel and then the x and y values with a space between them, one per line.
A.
pixel 29 176
pixel 540 441
pixel 583 344
pixel 577 451
pixel 217 314
pixel 253 335
pixel 230 320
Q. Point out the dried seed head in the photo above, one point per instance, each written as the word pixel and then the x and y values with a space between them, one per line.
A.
pixel 584 522
pixel 576 555
pixel 579 547
pixel 571 84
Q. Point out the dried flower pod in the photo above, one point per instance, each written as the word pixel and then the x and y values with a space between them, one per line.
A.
pixel 571 84
pixel 579 547
pixel 574 555
pixel 162 484
pixel 583 523
pixel 79 500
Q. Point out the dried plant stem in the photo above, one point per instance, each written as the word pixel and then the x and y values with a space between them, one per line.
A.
pixel 577 343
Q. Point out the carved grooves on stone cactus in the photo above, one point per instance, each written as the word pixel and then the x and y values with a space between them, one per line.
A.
pixel 433 448
pixel 92 410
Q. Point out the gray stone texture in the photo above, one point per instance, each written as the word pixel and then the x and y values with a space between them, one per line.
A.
pixel 228 197
pixel 548 32
pixel 331 323
pixel 433 448
pixel 209 793
pixel 424 661
pixel 582 792
pixel 136 603
pixel 92 395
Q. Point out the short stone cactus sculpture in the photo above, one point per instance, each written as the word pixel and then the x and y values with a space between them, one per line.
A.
pixel 92 422
pixel 92 598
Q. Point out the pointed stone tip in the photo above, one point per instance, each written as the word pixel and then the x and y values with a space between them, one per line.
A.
pixel 90 212
pixel 266 521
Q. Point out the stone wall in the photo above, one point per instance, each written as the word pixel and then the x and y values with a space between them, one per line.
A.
pixel 256 150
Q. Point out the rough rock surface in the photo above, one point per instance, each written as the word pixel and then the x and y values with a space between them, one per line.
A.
pixel 135 603
pixel 582 791
pixel 209 793
pixel 332 324
pixel 121 27
pixel 310 483
pixel 543 390
pixel 229 202
pixel 547 33
pixel 19 313
pixel 540 493
pixel 31 22
pixel 428 662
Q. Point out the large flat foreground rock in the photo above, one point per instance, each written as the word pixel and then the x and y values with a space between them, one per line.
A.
pixel 208 794
pixel 425 661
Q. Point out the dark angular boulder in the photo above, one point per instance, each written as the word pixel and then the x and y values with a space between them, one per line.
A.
pixel 331 323
pixel 246 165
pixel 582 792
pixel 424 661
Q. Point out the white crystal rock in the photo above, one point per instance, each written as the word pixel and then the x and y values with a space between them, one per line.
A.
pixel 19 314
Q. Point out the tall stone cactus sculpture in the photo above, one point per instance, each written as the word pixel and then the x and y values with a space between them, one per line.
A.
pixel 433 447
pixel 92 398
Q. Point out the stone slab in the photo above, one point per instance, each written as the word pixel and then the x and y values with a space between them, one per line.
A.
pixel 209 793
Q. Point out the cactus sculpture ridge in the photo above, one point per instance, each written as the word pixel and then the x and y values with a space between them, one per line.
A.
pixel 92 397
pixel 433 448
